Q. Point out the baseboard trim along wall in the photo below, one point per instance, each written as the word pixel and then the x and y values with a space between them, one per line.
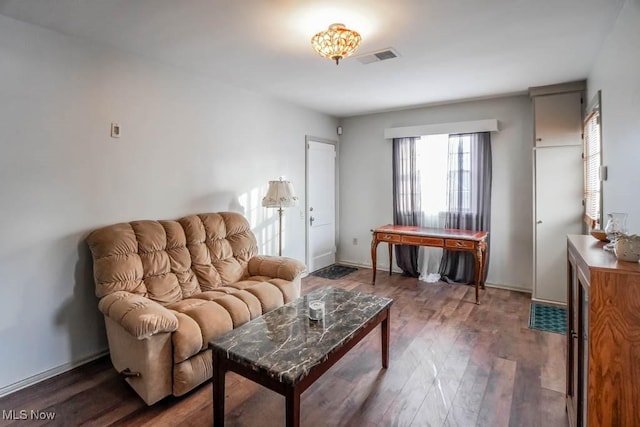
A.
pixel 397 270
pixel 12 388
pixel 549 302
pixel 508 288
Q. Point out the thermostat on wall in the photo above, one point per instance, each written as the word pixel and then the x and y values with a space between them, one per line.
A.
pixel 115 130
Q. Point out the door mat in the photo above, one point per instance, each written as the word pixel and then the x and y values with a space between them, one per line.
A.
pixel 548 318
pixel 334 271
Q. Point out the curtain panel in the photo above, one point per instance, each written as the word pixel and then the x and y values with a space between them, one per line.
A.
pixel 468 198
pixel 406 199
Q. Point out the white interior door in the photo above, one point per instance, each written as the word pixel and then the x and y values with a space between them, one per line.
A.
pixel 321 204
pixel 558 212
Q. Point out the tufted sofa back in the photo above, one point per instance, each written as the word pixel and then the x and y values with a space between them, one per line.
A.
pixel 167 261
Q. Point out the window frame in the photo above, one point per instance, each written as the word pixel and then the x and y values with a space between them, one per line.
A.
pixel 594 109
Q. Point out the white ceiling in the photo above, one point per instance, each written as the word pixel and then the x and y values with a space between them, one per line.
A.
pixel 449 49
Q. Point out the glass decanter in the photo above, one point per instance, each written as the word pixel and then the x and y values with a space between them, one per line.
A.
pixel 616 224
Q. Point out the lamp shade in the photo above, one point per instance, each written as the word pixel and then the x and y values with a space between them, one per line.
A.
pixel 280 195
pixel 336 43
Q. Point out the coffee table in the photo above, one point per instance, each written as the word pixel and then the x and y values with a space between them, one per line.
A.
pixel 286 352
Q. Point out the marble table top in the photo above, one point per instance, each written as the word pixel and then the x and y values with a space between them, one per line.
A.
pixel 285 344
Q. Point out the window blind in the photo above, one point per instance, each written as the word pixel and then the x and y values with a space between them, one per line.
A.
pixel 592 162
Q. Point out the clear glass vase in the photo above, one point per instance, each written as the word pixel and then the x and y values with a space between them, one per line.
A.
pixel 616 224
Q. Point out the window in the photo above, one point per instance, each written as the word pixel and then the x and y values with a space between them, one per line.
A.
pixel 441 181
pixel 443 165
pixel 431 168
pixel 592 161
pixel 459 187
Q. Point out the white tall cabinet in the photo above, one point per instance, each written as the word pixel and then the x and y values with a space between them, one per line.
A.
pixel 557 192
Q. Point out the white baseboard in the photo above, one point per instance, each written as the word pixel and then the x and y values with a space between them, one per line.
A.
pixel 508 288
pixel 12 388
pixel 549 302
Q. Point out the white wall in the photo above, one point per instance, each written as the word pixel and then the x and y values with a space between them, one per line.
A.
pixel 188 145
pixel 366 182
pixel 617 73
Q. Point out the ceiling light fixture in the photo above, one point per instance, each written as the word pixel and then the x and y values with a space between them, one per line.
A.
pixel 336 43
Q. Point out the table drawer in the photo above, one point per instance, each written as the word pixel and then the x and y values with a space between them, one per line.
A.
pixel 461 244
pixel 423 241
pixel 386 237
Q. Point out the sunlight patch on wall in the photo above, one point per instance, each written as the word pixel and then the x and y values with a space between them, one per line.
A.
pixel 263 221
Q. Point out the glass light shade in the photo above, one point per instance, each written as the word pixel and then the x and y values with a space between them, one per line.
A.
pixel 336 43
pixel 280 195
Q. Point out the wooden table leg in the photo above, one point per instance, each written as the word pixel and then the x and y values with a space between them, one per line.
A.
pixel 390 256
pixel 374 256
pixel 385 331
pixel 477 255
pixel 484 265
pixel 219 372
pixel 292 410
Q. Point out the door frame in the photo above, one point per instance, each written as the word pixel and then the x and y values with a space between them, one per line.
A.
pixel 307 140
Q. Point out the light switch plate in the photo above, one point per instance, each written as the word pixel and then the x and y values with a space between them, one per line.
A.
pixel 115 130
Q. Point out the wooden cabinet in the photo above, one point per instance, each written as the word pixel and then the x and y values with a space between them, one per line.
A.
pixel 558 191
pixel 603 336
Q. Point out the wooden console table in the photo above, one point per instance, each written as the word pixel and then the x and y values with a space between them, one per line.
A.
pixel 447 238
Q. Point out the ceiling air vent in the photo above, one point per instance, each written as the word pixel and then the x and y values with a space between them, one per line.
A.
pixel 381 55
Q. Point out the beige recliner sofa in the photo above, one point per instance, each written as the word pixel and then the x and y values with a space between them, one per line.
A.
pixel 167 288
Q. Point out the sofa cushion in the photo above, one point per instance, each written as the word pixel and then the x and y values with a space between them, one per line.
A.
pixel 116 263
pixel 268 294
pixel 288 288
pixel 250 300
pixel 220 245
pixel 203 318
pixel 148 258
pixel 212 318
pixel 209 314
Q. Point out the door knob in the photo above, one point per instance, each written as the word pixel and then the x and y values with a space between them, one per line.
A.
pixel 539 222
pixel 311 219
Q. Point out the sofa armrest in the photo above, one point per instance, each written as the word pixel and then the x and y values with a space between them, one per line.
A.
pixel 139 316
pixel 276 267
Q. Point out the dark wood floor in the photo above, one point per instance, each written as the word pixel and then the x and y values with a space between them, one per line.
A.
pixel 452 363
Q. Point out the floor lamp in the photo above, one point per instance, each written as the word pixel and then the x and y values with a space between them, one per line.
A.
pixel 280 195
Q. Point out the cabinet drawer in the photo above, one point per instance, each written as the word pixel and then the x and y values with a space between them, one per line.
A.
pixel 386 237
pixel 423 241
pixel 463 244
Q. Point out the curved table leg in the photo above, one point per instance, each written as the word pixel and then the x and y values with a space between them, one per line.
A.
pixel 484 264
pixel 374 255
pixel 478 270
